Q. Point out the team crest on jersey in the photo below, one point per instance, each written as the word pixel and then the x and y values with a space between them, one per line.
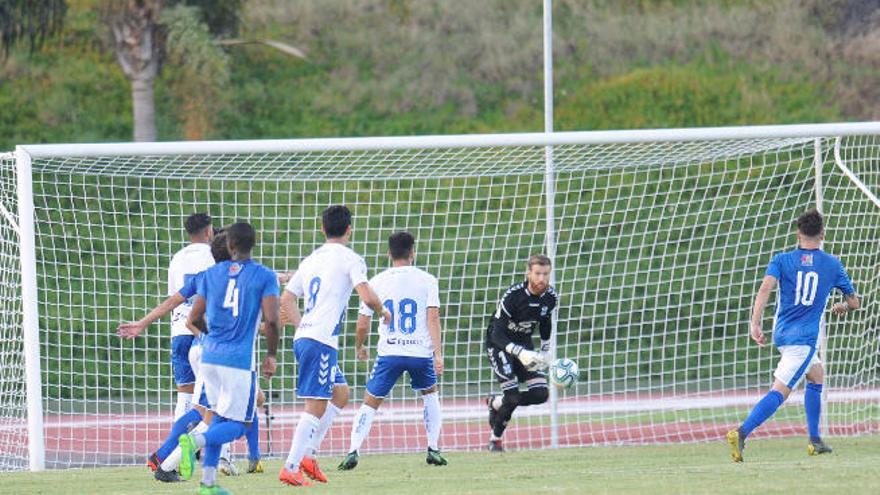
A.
pixel 234 269
pixel 544 310
pixel 806 260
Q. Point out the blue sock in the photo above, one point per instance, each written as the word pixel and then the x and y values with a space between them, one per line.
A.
pixel 211 455
pixel 813 408
pixel 222 431
pixel 181 426
pixel 253 439
pixel 762 411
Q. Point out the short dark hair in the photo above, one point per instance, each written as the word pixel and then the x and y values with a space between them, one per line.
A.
pixel 400 244
pixel 241 237
pixel 336 220
pixel 219 250
pixel 810 223
pixel 196 223
pixel 538 259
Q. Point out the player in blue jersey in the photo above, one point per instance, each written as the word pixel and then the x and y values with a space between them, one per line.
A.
pixel 806 277
pixel 325 280
pixel 232 296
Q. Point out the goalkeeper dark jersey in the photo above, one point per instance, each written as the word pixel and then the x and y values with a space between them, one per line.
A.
pixel 519 314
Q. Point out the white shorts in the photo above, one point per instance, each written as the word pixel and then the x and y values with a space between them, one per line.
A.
pixel 231 391
pixel 796 361
pixel 195 362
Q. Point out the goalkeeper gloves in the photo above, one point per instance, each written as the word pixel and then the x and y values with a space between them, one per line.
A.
pixel 530 359
pixel 545 346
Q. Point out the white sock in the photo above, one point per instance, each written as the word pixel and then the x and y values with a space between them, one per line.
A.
pixel 224 451
pixel 209 475
pixel 496 402
pixel 360 428
pixel 199 439
pixel 184 404
pixel 302 438
pixel 172 461
pixel 326 421
pixel 200 428
pixel 433 419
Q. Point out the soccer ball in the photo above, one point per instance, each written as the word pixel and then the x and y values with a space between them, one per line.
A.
pixel 563 373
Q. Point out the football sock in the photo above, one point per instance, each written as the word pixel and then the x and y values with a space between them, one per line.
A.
pixel 433 419
pixel 762 411
pixel 813 408
pixel 302 438
pixel 223 431
pixel 253 439
pixel 360 427
pixel 511 400
pixel 209 475
pixel 496 402
pixel 535 395
pixel 323 427
pixel 172 461
pixel 212 456
pixel 181 426
pixel 184 404
pixel 224 451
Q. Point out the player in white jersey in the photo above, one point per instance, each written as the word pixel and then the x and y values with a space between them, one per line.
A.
pixel 410 342
pixel 325 280
pixel 186 263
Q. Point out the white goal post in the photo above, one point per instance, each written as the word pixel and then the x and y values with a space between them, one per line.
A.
pixel 662 237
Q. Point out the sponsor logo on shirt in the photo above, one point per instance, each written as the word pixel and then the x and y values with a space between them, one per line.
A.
pixel 806 260
pixel 396 341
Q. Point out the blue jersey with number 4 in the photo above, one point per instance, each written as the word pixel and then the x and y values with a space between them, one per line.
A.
pixel 806 277
pixel 233 292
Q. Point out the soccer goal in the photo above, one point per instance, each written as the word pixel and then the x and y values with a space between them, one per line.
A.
pixel 659 239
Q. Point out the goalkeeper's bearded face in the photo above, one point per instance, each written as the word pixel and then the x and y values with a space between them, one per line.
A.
pixel 539 277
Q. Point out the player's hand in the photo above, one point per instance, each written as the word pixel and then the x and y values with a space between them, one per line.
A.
pixel 840 308
pixel 757 335
pixel 130 330
pixel 386 316
pixel 545 346
pixel 284 277
pixel 532 360
pixel 438 364
pixel 269 366
pixel 362 354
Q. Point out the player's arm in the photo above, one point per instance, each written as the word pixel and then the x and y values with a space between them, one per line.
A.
pixel 545 329
pixel 767 286
pixel 850 302
pixel 133 329
pixel 371 300
pixel 271 324
pixel 434 331
pixel 198 310
pixel 361 329
pixel 290 314
pixel 498 336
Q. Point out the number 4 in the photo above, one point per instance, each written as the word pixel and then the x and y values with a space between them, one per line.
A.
pixel 231 299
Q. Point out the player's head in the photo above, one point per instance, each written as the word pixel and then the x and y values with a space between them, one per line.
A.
pixel 400 246
pixel 336 222
pixel 240 239
pixel 219 250
pixel 538 273
pixel 198 226
pixel 810 226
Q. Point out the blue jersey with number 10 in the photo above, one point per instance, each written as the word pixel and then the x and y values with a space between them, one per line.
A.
pixel 233 292
pixel 806 277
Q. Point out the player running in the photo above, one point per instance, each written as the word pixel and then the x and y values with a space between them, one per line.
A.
pixel 410 343
pixel 525 306
pixel 231 295
pixel 806 277
pixel 325 279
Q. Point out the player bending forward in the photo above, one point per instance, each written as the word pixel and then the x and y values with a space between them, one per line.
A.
pixel 806 276
pixel 525 306
pixel 231 295
pixel 410 343
pixel 325 279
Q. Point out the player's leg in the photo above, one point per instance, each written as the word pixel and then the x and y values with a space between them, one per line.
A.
pixel 793 364
pixel 255 464
pixel 162 454
pixel 423 379
pixel 537 391
pixel 386 371
pixel 813 409
pixel 314 383
pixel 504 367
pixel 184 376
pixel 338 401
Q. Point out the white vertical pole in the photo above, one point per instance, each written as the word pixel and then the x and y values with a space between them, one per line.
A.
pixel 823 334
pixel 550 192
pixel 30 321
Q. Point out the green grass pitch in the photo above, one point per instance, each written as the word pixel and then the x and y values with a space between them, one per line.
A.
pixel 772 466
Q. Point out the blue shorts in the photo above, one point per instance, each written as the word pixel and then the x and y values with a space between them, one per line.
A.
pixel 388 369
pixel 318 371
pixel 183 372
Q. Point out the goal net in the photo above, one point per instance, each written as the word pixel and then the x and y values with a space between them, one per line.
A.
pixel 660 247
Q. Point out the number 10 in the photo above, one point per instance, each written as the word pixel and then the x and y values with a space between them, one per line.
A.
pixel 805 291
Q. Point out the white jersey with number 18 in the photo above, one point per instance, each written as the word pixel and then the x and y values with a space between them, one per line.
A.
pixel 406 292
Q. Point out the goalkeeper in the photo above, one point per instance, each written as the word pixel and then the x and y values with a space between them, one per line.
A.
pixel 526 306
